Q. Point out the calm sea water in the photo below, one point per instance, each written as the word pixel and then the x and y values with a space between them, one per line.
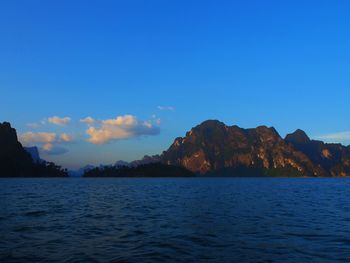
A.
pixel 175 220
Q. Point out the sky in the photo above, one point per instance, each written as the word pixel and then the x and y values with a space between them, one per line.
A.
pixel 93 82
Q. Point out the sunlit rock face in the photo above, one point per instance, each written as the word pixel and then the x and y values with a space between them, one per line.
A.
pixel 332 157
pixel 212 147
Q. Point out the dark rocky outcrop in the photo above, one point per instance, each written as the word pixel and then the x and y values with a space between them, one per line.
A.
pixel 15 161
pixel 214 148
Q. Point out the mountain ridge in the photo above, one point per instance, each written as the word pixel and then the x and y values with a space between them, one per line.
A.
pixel 209 149
pixel 213 148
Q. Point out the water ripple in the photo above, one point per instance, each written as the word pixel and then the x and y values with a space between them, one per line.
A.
pixel 174 220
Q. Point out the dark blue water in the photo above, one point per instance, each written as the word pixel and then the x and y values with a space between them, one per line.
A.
pixel 175 220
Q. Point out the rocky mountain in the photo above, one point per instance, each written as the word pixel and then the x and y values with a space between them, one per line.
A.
pixel 215 148
pixel 34 153
pixel 332 157
pixel 16 161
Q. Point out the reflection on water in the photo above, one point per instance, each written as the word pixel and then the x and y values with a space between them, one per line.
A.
pixel 174 220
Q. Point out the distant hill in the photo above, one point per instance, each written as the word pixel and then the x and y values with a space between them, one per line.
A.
pixel 213 148
pixel 79 172
pixel 15 161
pixel 143 170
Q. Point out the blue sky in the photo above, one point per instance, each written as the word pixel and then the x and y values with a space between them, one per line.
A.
pixel 280 63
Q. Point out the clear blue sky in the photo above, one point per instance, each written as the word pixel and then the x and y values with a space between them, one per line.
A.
pixel 280 63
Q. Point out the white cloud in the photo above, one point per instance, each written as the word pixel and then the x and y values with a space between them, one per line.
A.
pixel 342 137
pixel 37 137
pixel 121 127
pixel 106 133
pixel 59 121
pixel 126 120
pixel 166 108
pixel 88 120
pixel 47 141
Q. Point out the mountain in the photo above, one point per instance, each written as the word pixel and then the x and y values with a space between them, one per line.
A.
pixel 142 170
pixel 215 148
pixel 148 166
pixel 79 172
pixel 34 153
pixel 16 161
pixel 145 160
pixel 121 163
pixel 332 157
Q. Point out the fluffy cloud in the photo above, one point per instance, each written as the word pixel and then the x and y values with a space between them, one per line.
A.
pixel 37 137
pixel 47 141
pixel 59 121
pixel 121 127
pixel 343 137
pixel 166 108
pixel 126 120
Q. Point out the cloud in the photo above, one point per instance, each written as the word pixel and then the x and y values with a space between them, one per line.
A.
pixel 126 120
pixel 47 147
pixel 59 121
pixel 166 108
pixel 342 137
pixel 53 150
pixel 37 137
pixel 66 137
pixel 88 120
pixel 47 141
pixel 121 127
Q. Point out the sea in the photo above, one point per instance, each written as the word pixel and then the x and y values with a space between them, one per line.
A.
pixel 174 219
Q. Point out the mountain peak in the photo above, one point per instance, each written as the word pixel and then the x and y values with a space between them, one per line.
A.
pixel 264 128
pixel 211 123
pixel 8 135
pixel 299 137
